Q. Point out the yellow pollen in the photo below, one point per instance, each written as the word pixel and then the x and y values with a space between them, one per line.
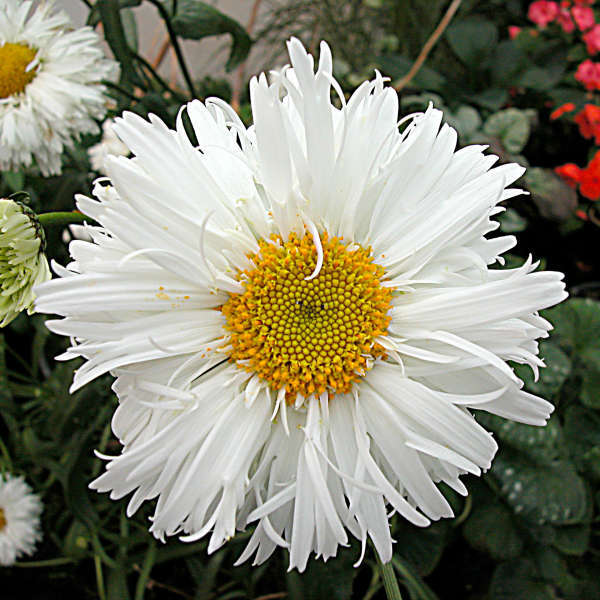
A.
pixel 14 59
pixel 308 336
pixel 2 519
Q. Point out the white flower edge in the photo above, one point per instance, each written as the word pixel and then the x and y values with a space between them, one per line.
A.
pixel 176 224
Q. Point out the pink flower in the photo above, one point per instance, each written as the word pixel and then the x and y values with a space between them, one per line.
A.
pixel 588 73
pixel 513 31
pixel 592 40
pixel 543 12
pixel 583 16
pixel 565 21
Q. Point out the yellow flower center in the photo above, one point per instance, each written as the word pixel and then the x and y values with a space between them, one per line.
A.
pixel 2 519
pixel 14 59
pixel 309 336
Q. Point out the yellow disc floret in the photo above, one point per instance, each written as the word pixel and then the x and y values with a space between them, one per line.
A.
pixel 14 60
pixel 309 336
pixel 2 519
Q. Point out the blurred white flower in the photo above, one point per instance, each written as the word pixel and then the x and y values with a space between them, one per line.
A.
pixel 109 145
pixel 299 315
pixel 23 263
pixel 50 89
pixel 20 511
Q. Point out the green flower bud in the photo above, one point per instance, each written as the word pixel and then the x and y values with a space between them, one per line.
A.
pixel 23 263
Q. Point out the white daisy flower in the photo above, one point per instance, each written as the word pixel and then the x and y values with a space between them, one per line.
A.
pixel 109 145
pixel 23 263
pixel 20 511
pixel 300 314
pixel 50 90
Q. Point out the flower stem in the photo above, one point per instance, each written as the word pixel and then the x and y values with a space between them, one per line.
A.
pixel 175 43
pixel 62 218
pixel 52 562
pixel 390 583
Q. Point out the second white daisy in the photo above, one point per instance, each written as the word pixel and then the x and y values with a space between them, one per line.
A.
pixel 50 90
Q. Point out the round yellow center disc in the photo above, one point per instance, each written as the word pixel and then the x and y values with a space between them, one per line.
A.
pixel 309 336
pixel 14 60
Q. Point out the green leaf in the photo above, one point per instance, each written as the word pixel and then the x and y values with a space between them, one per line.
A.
pixel 572 539
pixel 547 74
pixel 508 61
pixel 465 120
pixel 491 98
pixel 396 66
pixel 511 126
pixel 472 40
pixel 541 444
pixel 332 580
pixel 519 580
pixel 577 330
pixel 576 325
pixel 590 386
pixel 582 434
pixel 422 548
pixel 195 20
pixel 553 197
pixel 15 180
pixel 491 529
pixel 511 221
pixel 541 493
pixel 552 376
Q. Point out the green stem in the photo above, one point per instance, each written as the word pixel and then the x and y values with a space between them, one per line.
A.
pixel 175 43
pixel 149 560
pixel 52 562
pixel 99 577
pixel 390 583
pixel 62 218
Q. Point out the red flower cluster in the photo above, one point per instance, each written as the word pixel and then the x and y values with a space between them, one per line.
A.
pixel 567 14
pixel 588 121
pixel 588 179
pixel 588 73
pixel 592 40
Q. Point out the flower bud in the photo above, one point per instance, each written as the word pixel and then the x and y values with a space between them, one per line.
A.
pixel 23 263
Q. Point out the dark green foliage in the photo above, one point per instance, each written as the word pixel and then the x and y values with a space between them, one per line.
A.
pixel 529 529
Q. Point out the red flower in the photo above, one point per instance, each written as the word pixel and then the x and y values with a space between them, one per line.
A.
pixel 561 110
pixel 570 173
pixel 592 40
pixel 565 21
pixel 589 122
pixel 513 31
pixel 589 182
pixel 543 12
pixel 588 73
pixel 583 16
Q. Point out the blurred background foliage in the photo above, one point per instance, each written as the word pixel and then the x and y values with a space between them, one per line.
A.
pixel 529 528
